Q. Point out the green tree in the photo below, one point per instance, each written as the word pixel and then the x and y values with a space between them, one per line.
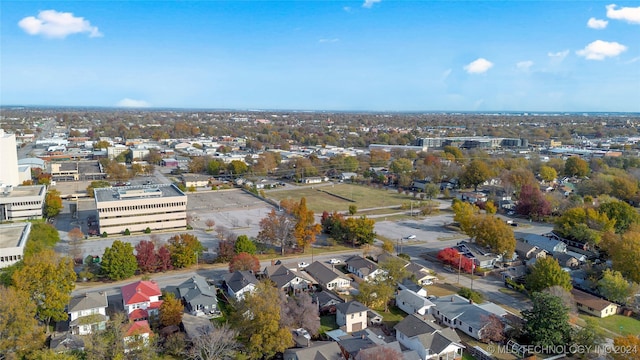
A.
pixel 103 144
pixel 613 286
pixel 431 190
pixel 546 273
pixel 387 245
pixel 475 174
pixel 494 233
pixel 237 167
pixel 456 152
pixel 184 249
pixel 376 293
pixel 359 231
pixel 538 327
pixel 547 173
pixel 257 319
pixel 575 166
pixel 42 236
pixel 583 224
pixel 95 185
pixel 171 310
pixel 214 166
pixel 244 244
pixel 624 252
pixel 623 214
pixel 20 332
pixel 353 209
pixel 464 215
pixel 118 261
pixel 52 203
pixel 400 166
pixel 49 280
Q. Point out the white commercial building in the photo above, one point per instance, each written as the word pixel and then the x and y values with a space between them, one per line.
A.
pixel 13 238
pixel 9 153
pixel 21 202
pixel 136 208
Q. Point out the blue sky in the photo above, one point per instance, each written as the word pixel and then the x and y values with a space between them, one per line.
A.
pixel 376 55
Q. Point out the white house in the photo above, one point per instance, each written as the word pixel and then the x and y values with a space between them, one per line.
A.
pixel 427 339
pixel 363 268
pixel 238 283
pixel 141 299
pixel 352 315
pixel 412 303
pixel 88 313
pixel 328 278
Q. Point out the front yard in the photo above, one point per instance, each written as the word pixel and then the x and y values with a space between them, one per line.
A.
pixel 617 324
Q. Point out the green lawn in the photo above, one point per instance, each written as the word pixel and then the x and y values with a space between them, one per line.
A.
pixel 621 325
pixel 364 197
pixel 391 318
pixel 327 323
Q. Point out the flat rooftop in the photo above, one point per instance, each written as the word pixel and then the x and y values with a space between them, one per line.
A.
pixel 136 192
pixel 20 191
pixel 11 234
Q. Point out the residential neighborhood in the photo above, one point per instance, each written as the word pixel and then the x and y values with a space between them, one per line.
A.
pixel 442 248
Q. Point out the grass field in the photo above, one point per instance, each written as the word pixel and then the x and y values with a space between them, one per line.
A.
pixel 327 323
pixel 618 324
pixel 393 317
pixel 363 197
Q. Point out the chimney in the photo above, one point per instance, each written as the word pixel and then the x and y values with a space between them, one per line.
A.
pixel 470 301
pixel 452 299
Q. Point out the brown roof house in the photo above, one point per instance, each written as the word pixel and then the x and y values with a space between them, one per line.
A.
pixel 593 305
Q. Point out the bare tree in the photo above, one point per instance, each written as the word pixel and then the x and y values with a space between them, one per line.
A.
pixel 75 241
pixel 214 344
pixel 210 223
pixel 277 229
pixel 299 312
pixel 380 352
pixel 564 295
pixel 235 222
pixel 248 221
pixel 221 232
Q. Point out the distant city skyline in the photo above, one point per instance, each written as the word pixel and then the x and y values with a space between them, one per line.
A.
pixel 372 55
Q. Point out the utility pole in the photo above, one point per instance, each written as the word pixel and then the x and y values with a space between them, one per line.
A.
pixel 459 266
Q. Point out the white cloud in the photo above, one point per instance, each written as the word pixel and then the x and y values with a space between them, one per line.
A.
pixel 328 40
pixel 53 24
pixel 597 23
pixel 369 3
pixel 628 14
pixel 524 65
pixel 598 50
pixel 478 66
pixel 559 56
pixel 131 103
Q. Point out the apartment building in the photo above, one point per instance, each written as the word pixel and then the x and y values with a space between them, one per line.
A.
pixel 135 208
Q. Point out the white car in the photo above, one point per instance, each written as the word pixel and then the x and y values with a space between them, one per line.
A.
pixel 304 333
pixel 303 265
pixel 334 261
pixel 410 237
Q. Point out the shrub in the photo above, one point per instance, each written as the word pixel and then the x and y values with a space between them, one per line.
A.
pixel 472 295
pixel 104 234
pixel 404 256
pixel 127 232
pixel 147 230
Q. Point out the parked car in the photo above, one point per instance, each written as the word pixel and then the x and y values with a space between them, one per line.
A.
pixel 304 333
pixel 303 265
pixel 334 261
pixel 410 237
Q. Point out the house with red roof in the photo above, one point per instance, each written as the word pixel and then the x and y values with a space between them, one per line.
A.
pixel 136 335
pixel 141 299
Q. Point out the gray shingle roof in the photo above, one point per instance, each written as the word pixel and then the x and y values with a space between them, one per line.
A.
pixel 351 307
pixel 196 290
pixel 365 266
pixel 461 309
pixel 86 301
pixel 431 336
pixel 322 273
pixel 238 280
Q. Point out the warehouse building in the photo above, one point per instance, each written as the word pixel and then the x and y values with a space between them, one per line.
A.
pixel 21 202
pixel 136 208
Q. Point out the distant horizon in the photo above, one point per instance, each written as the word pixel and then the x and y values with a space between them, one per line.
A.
pixel 343 55
pixel 275 110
